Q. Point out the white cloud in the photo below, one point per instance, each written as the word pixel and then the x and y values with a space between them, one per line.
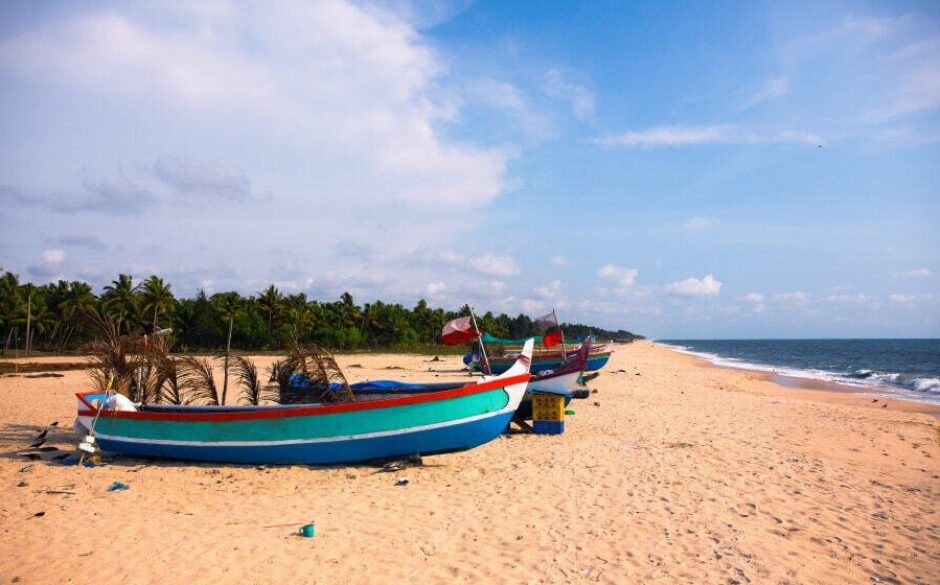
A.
pixel 700 223
pixel 434 288
pixel 53 256
pixel 558 260
pixel 549 291
pixel 901 299
pixel 858 298
pixel 918 272
pixel 304 120
pixel 796 297
pixel 496 265
pixel 533 306
pixel 694 287
pixel 757 300
pixel 512 102
pixel 772 88
pixel 621 276
pixel 51 266
pixel 667 136
pixel 581 98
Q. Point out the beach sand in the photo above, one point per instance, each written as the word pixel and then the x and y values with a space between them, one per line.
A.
pixel 673 472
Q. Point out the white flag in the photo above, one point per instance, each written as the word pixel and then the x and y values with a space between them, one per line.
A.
pixel 546 321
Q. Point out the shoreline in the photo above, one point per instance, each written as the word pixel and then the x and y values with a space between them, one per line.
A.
pixel 824 390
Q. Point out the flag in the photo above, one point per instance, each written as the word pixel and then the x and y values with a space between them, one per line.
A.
pixel 552 339
pixel 458 331
pixel 546 321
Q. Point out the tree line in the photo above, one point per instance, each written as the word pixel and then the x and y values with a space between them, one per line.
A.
pixel 49 318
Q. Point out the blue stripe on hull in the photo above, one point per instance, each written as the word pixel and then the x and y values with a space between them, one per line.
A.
pixel 457 437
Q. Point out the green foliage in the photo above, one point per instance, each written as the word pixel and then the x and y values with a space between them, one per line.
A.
pixel 268 321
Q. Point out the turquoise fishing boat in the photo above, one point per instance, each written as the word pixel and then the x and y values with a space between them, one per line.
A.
pixel 597 358
pixel 444 420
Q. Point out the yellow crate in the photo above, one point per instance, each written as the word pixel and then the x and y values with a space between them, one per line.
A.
pixel 548 407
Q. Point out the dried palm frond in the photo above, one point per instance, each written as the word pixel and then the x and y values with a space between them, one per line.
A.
pixel 273 371
pixel 107 354
pixel 247 375
pixel 282 371
pixel 324 381
pixel 195 375
pixel 155 366
pixel 171 388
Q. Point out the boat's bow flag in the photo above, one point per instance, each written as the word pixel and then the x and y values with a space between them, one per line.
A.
pixel 546 321
pixel 458 331
pixel 552 339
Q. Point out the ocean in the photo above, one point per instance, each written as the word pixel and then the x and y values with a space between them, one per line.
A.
pixel 896 368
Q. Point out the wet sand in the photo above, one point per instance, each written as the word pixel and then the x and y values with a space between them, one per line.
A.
pixel 675 471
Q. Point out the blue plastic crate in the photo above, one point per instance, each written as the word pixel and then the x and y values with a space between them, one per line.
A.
pixel 548 427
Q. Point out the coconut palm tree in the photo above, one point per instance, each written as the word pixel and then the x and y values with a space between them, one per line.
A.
pixel 121 293
pixel 156 296
pixel 228 306
pixel 9 303
pixel 271 302
pixel 78 298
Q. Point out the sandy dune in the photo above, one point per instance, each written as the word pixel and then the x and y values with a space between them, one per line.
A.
pixel 674 472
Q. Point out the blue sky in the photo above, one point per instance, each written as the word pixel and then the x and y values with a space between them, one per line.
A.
pixel 676 169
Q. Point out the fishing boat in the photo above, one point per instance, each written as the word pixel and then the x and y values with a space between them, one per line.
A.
pixel 562 382
pixel 439 421
pixel 564 379
pixel 597 357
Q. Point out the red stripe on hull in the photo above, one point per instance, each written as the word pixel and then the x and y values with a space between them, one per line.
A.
pixel 303 410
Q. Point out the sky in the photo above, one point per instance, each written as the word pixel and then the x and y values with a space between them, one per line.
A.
pixel 678 169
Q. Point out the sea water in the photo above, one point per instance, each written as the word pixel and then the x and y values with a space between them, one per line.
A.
pixel 898 368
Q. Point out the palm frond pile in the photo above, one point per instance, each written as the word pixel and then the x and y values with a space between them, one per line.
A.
pixel 253 392
pixel 144 371
pixel 195 375
pixel 320 377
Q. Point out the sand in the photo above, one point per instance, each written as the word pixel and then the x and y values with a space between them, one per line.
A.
pixel 673 472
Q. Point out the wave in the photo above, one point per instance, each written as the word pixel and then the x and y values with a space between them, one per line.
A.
pixel 912 387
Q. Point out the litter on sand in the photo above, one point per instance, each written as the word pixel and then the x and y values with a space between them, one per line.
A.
pixel 118 486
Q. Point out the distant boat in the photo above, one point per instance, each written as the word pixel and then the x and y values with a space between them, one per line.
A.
pixel 562 382
pixel 441 421
pixel 565 378
pixel 597 358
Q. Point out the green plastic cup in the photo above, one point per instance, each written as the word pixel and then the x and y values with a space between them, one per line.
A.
pixel 307 531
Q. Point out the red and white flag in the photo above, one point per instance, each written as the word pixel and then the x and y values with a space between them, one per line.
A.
pixel 458 331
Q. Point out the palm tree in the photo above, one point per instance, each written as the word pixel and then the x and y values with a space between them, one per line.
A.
pixel 228 305
pixel 9 304
pixel 123 294
pixel 271 302
pixel 156 295
pixel 29 314
pixel 78 298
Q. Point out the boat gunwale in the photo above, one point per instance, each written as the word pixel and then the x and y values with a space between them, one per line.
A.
pixel 546 357
pixel 301 410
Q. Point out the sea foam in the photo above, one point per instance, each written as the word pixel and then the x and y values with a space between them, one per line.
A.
pixel 869 381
